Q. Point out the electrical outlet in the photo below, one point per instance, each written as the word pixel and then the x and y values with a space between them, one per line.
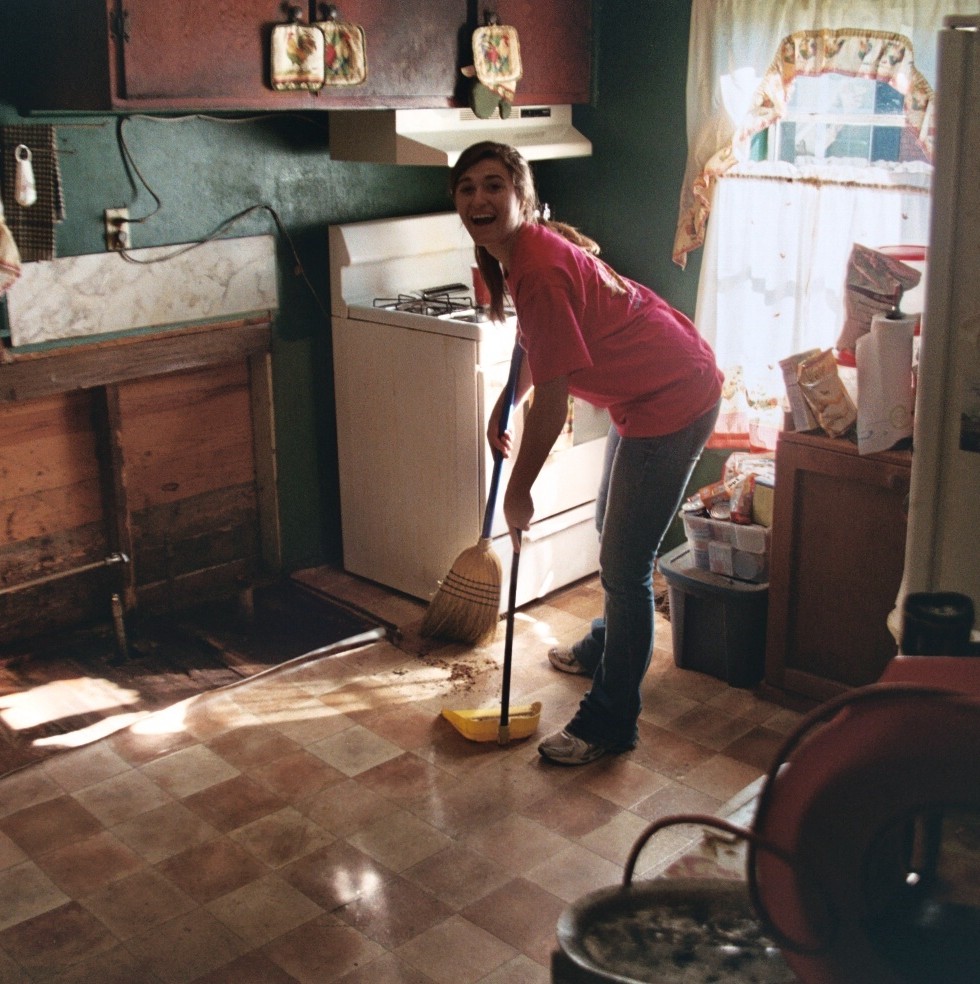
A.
pixel 117 229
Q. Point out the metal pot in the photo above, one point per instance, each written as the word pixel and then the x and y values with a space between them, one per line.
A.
pixel 666 931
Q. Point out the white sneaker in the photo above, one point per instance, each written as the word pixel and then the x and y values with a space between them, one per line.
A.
pixel 562 658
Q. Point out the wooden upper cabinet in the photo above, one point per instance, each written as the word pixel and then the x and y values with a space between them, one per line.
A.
pixel 192 55
pixel 186 50
pixel 218 53
pixel 556 48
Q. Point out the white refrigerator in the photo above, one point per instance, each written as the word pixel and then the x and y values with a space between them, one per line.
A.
pixel 943 541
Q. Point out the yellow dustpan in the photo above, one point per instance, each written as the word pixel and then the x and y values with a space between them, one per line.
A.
pixel 505 722
pixel 484 724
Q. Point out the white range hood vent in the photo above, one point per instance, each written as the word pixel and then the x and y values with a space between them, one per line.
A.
pixel 439 136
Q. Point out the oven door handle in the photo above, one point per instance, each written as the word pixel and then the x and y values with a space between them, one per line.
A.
pixel 498 459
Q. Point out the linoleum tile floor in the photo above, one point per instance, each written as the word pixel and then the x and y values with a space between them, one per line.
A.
pixel 323 823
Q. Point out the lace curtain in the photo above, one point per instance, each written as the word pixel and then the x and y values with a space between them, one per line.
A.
pixel 778 239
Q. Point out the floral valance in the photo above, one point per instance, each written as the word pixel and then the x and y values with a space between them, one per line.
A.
pixel 846 51
pixel 878 56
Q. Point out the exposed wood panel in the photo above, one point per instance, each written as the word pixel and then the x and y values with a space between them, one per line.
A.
pixel 187 444
pixel 214 527
pixel 193 588
pixel 31 375
pixel 178 556
pixel 28 558
pixel 46 445
pixel 187 434
pixel 177 476
pixel 164 394
pixel 49 475
pixel 161 468
pixel 46 466
pixel 56 606
pixel 266 475
pixel 60 603
pixel 41 514
pixel 115 485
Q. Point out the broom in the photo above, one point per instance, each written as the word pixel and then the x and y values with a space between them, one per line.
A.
pixel 466 608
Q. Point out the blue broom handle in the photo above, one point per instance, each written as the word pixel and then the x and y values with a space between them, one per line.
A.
pixel 498 459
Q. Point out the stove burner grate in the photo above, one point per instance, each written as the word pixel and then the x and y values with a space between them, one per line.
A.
pixel 433 301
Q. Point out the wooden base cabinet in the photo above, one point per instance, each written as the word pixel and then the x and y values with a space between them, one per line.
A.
pixel 837 556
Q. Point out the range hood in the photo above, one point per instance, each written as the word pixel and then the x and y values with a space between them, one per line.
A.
pixel 439 136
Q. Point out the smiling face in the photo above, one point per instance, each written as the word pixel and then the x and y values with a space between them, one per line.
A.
pixel 494 196
pixel 487 203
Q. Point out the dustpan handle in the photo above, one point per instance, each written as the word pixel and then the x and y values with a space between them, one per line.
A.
pixel 504 733
pixel 510 389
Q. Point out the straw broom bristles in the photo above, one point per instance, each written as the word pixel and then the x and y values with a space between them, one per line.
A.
pixel 466 608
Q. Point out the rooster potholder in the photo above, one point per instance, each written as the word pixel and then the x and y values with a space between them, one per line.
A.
pixel 297 55
pixel 497 69
pixel 344 52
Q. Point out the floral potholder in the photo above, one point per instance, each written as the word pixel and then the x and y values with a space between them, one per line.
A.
pixel 297 57
pixel 344 52
pixel 497 66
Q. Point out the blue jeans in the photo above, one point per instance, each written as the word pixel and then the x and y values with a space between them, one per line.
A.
pixel 643 483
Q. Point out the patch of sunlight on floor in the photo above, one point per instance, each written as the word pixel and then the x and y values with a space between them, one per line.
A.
pixel 169 721
pixel 83 736
pixel 63 699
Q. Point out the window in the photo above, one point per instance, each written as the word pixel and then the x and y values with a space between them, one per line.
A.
pixel 805 137
pixel 831 118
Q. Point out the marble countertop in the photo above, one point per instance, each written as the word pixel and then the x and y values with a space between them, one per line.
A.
pixel 103 294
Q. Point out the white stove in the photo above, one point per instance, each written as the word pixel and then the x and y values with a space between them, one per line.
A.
pixel 417 369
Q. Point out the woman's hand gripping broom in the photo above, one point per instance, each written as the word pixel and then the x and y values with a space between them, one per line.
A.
pixel 466 608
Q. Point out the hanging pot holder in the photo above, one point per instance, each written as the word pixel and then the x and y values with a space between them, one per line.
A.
pixel 497 66
pixel 344 52
pixel 297 55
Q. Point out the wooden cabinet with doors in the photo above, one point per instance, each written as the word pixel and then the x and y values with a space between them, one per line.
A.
pixel 188 55
pixel 556 49
pixel 144 55
pixel 836 563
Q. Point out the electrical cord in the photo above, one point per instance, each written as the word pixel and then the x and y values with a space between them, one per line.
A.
pixel 133 169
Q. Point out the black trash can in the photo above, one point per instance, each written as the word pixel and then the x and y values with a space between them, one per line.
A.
pixel 718 623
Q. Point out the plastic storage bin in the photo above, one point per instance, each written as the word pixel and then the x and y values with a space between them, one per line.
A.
pixel 718 623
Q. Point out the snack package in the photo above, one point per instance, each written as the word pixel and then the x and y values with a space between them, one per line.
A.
pixel 875 284
pixel 762 465
pixel 826 394
pixel 709 496
pixel 803 418
pixel 742 500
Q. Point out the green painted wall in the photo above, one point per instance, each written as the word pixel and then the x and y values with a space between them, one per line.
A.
pixel 206 171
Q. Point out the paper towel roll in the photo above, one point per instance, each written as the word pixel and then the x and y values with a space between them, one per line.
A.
pixel 884 370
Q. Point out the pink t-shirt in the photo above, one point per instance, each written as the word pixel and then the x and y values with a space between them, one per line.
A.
pixel 620 345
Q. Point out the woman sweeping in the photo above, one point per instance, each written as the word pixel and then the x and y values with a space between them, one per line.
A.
pixel 588 332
